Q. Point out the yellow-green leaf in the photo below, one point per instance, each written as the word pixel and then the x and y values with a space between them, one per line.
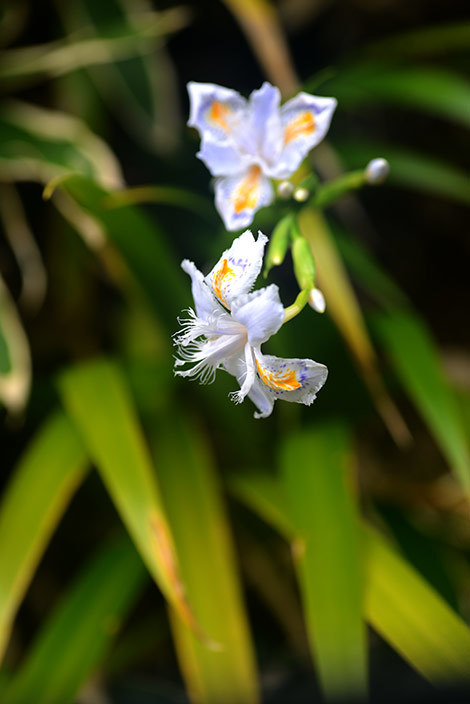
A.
pixel 39 491
pixel 411 616
pixel 97 399
pixel 219 669
pixel 15 356
pixel 317 482
pixel 416 362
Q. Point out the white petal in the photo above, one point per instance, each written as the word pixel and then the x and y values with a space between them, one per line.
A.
pixel 222 159
pixel 265 121
pixel 296 380
pixel 215 111
pixel 236 366
pixel 237 198
pixel 204 300
pixel 238 267
pixel 305 121
pixel 261 312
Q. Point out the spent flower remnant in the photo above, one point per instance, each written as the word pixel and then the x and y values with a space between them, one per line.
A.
pixel 245 143
pixel 230 324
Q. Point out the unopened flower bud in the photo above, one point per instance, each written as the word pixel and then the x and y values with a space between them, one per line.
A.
pixel 278 244
pixel 317 300
pixel 377 171
pixel 285 190
pixel 301 195
pixel 304 263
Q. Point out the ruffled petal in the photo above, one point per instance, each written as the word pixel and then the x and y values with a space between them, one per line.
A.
pixel 204 300
pixel 223 159
pixel 238 268
pixel 261 312
pixel 305 121
pixel 296 380
pixel 215 111
pixel 265 122
pixel 237 198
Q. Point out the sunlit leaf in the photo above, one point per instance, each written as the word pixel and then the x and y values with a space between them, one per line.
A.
pixel 221 669
pixel 412 617
pixel 74 639
pixel 410 169
pixel 97 398
pixel 416 362
pixel 434 91
pixel 344 308
pixel 41 487
pixel 315 476
pixel 38 145
pixel 15 356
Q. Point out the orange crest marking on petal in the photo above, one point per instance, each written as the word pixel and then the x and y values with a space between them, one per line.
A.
pixel 218 114
pixel 246 195
pixel 300 126
pixel 287 381
pixel 221 276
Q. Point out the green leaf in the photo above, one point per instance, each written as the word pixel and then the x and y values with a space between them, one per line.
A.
pixel 263 493
pixel 221 668
pixel 416 362
pixel 76 636
pixel 15 356
pixel 435 91
pixel 41 487
pixel 97 398
pixel 398 603
pixel 38 145
pixel 412 617
pixel 142 244
pixel 317 482
pixel 410 169
pixel 434 40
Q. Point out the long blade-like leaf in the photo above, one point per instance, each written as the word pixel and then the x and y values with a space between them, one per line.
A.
pixel 224 672
pixel 416 362
pixel 40 489
pixel 345 311
pixel 318 489
pixel 74 639
pixel 38 145
pixel 398 602
pixel 97 399
pixel 412 617
pixel 430 90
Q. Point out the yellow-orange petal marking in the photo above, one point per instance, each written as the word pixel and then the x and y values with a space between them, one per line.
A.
pixel 285 381
pixel 246 194
pixel 223 274
pixel 218 114
pixel 300 126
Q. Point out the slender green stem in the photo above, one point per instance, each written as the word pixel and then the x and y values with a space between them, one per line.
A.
pixel 298 305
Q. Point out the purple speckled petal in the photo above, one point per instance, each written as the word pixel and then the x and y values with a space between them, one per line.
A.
pixel 238 268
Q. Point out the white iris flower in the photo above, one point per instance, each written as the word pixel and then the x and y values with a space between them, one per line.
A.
pixel 230 324
pixel 245 143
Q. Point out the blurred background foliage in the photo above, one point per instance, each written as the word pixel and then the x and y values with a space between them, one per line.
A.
pixel 319 554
